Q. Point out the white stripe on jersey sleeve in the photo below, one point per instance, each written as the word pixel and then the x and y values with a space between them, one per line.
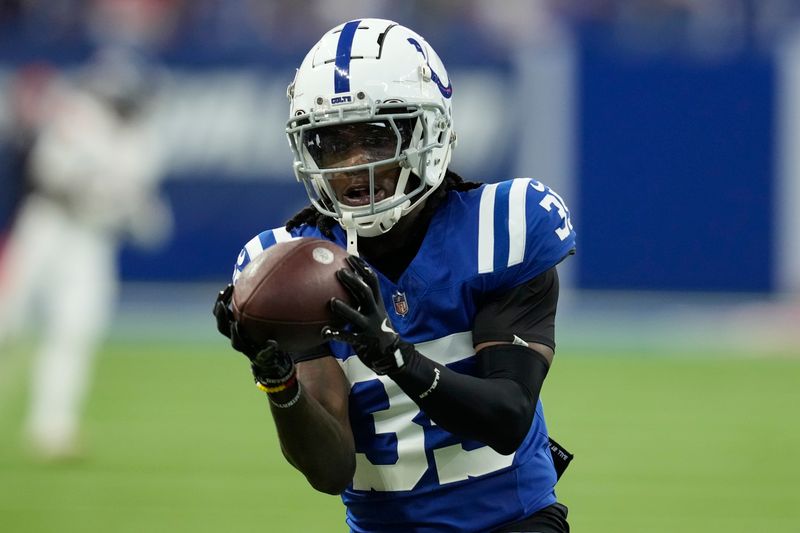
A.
pixel 517 229
pixel 486 229
pixel 254 247
pixel 249 252
pixel 281 235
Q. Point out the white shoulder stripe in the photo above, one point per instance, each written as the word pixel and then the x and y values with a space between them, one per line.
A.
pixel 517 227
pixel 486 229
pixel 254 247
pixel 281 235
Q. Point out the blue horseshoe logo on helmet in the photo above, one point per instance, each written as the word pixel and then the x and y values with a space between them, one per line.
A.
pixel 447 92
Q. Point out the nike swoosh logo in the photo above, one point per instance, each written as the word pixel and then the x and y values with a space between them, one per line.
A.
pixel 386 327
pixel 519 342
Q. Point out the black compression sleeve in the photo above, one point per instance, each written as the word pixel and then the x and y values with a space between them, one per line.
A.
pixel 527 311
pixel 495 408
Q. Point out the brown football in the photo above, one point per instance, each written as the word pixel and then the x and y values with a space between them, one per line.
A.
pixel 284 293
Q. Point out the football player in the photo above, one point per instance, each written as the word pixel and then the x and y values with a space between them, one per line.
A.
pixel 424 412
pixel 94 176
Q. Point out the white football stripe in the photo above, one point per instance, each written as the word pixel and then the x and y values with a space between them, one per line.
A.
pixel 450 349
pixel 486 229
pixel 516 220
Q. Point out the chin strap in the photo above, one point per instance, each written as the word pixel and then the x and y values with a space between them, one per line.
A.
pixel 352 233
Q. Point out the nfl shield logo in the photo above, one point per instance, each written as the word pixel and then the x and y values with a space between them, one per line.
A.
pixel 400 303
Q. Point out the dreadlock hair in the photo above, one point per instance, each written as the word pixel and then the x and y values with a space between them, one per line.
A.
pixel 310 216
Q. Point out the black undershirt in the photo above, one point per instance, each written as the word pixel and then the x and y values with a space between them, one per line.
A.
pixel 527 311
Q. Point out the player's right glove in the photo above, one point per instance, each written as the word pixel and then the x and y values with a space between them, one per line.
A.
pixel 272 368
pixel 370 334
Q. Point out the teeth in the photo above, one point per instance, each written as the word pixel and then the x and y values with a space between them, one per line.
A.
pixel 358 191
pixel 360 195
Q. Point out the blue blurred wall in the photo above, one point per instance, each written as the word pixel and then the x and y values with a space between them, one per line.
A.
pixel 675 172
pixel 673 185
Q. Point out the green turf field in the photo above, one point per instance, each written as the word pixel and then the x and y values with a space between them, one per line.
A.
pixel 178 440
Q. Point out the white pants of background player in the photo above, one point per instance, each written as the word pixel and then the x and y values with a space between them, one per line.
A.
pixel 64 273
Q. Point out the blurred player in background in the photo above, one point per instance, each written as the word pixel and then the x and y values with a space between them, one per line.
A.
pixel 424 412
pixel 93 173
pixel 27 105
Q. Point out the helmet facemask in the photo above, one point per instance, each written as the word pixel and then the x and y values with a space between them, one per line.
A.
pixel 344 157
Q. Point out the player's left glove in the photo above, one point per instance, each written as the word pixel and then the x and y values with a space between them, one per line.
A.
pixel 228 326
pixel 273 369
pixel 373 338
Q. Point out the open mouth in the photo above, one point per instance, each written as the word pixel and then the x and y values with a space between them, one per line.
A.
pixel 357 194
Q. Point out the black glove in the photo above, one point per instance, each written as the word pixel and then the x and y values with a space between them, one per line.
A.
pixel 271 366
pixel 374 340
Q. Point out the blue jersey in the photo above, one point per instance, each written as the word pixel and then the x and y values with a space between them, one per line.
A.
pixel 412 475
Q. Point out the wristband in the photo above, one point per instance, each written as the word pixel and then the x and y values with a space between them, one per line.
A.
pixel 287 404
pixel 279 385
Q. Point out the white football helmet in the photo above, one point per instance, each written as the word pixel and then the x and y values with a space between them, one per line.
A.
pixel 381 75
